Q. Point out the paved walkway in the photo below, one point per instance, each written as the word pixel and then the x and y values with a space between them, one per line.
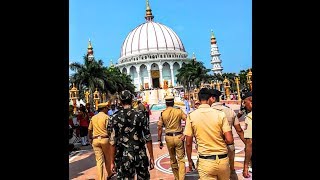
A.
pixel 82 163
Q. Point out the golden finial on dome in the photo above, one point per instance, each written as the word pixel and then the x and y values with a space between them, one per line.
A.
pixel 90 46
pixel 90 51
pixel 149 16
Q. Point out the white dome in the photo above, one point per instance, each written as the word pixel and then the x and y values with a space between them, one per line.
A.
pixel 151 37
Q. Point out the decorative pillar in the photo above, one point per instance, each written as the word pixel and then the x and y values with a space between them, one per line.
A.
pixel 161 81
pixel 139 84
pixel 226 85
pixel 74 95
pixel 128 71
pixel 104 97
pixel 149 75
pixel 96 98
pixel 218 85
pixel 87 93
pixel 249 79
pixel 237 80
pixel 172 77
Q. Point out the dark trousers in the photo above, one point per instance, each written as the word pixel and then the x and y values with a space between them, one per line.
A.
pixel 83 131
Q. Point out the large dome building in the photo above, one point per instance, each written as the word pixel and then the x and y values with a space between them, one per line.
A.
pixel 151 54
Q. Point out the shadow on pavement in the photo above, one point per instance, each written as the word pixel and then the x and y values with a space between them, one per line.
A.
pixel 192 175
pixel 76 168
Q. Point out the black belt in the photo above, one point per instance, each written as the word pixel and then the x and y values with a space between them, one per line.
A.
pixel 173 134
pixel 214 156
pixel 99 137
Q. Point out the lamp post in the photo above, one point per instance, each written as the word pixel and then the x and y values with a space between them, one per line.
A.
pixel 226 85
pixel 96 98
pixel 237 80
pixel 249 79
pixel 74 95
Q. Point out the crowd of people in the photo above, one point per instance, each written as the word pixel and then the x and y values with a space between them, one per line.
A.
pixel 120 136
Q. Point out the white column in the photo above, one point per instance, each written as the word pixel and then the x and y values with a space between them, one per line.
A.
pixel 128 71
pixel 139 83
pixel 160 69
pixel 149 75
pixel 172 77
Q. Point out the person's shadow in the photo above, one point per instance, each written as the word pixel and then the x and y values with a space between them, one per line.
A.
pixel 76 168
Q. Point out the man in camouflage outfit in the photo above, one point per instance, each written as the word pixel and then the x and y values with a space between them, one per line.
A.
pixel 128 130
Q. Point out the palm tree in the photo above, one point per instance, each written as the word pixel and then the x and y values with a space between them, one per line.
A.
pixel 89 75
pixel 192 74
pixel 92 75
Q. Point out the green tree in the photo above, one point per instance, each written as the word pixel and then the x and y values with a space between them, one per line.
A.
pixel 243 79
pixel 192 74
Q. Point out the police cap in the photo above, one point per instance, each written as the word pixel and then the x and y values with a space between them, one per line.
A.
pixel 125 95
pixel 247 94
pixel 169 98
pixel 102 105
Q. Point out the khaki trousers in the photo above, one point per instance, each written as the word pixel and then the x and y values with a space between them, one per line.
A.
pixel 101 149
pixel 210 169
pixel 176 151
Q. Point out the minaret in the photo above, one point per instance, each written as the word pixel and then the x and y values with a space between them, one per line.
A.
pixel 90 52
pixel 149 16
pixel 215 56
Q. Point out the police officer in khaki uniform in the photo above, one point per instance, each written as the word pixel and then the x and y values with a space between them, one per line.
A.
pixel 171 118
pixel 213 133
pixel 233 121
pixel 100 140
pixel 247 100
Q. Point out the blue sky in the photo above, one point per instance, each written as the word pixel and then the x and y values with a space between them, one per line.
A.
pixel 108 22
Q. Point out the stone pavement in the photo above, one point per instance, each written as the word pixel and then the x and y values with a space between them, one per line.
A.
pixel 82 163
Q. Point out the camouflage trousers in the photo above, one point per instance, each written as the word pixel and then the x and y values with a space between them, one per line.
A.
pixel 131 164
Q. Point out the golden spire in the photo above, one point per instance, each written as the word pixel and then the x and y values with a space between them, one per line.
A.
pixel 90 51
pixel 90 46
pixel 149 16
pixel 213 39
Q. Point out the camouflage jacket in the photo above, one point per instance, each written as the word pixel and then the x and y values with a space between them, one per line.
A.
pixel 128 130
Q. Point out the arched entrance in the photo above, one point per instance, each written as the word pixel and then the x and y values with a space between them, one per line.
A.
pixel 134 77
pixel 166 75
pixel 155 75
pixel 144 78
pixel 124 70
pixel 176 66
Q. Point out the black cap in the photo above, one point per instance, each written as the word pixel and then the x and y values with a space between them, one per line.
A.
pixel 124 95
pixel 214 92
pixel 247 94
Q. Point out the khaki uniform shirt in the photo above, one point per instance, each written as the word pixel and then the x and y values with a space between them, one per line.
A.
pixel 248 129
pixel 208 125
pixel 98 124
pixel 171 118
pixel 230 114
